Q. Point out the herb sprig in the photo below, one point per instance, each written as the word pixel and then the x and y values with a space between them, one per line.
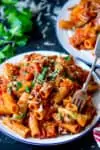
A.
pixel 16 23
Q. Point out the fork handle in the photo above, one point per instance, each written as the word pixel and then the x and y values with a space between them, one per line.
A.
pixel 85 85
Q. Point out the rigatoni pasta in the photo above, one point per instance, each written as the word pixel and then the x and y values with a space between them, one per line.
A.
pixel 17 127
pixel 10 103
pixel 34 125
pixel 36 96
pixel 85 21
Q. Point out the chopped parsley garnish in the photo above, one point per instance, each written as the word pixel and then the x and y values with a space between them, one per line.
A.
pixel 33 83
pixel 18 85
pixel 27 89
pixel 68 58
pixel 53 75
pixel 21 116
pixel 42 76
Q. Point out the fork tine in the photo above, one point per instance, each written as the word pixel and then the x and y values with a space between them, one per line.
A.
pixel 81 106
pixel 74 98
pixel 97 46
pixel 79 103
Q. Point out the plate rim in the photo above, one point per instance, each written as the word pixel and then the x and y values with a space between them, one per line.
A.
pixel 57 30
pixel 23 140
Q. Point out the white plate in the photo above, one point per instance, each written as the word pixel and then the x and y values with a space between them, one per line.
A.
pixel 60 139
pixel 63 36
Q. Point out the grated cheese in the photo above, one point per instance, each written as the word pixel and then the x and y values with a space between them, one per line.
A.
pixel 44 31
pixel 48 8
pixel 40 108
pixel 47 43
pixel 39 17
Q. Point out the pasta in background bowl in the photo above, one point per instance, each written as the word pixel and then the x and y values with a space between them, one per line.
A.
pixel 79 40
pixel 14 113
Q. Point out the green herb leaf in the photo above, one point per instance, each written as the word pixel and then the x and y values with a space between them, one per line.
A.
pixel 2 30
pixel 54 74
pixel 33 84
pixel 4 42
pixel 8 51
pixel 41 76
pixel 9 10
pixel 27 89
pixel 18 85
pixel 21 116
pixel 26 23
pixel 2 56
pixel 26 12
pixel 16 31
pixel 18 24
pixel 67 58
pixel 7 2
pixel 21 41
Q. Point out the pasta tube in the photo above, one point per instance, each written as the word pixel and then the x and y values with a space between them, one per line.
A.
pixel 80 118
pixel 39 115
pixel 23 102
pixel 63 90
pixel 72 107
pixel 65 24
pixel 17 127
pixel 73 128
pixel 58 97
pixel 33 125
pixel 4 110
pixel 89 43
pixel 26 84
pixel 10 103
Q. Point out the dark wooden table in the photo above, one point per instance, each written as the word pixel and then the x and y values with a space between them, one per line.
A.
pixel 44 38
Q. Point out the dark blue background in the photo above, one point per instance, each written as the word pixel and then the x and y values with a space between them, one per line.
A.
pixel 36 42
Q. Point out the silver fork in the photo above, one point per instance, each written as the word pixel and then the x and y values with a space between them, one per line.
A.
pixel 80 96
